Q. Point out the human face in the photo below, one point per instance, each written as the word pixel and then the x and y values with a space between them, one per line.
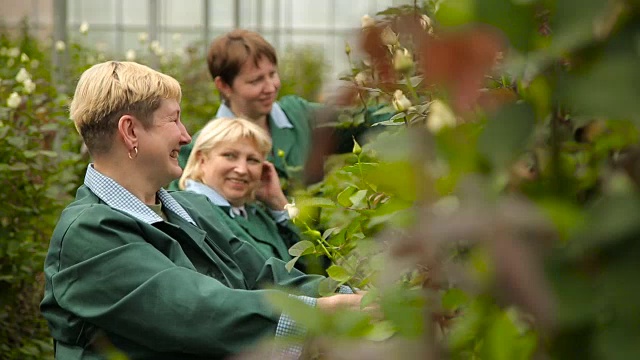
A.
pixel 160 144
pixel 254 89
pixel 233 169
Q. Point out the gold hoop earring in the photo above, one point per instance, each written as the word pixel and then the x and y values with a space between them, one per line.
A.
pixel 135 150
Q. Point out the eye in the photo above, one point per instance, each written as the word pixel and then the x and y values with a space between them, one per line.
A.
pixel 229 156
pixel 253 160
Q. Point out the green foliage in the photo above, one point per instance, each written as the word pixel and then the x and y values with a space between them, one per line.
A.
pixel 444 214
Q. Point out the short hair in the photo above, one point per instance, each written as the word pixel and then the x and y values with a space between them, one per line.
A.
pixel 229 52
pixel 219 131
pixel 111 89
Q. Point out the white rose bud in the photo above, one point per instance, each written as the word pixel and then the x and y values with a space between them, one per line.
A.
pixel 84 27
pixel 292 210
pixel 60 46
pixel 23 75
pixel 143 37
pixel 24 58
pixel 131 55
pixel 362 78
pixel 367 21
pixel 400 102
pixel 13 52
pixel 403 61
pixel 425 22
pixel 388 36
pixel 14 100
pixel 29 86
pixel 440 116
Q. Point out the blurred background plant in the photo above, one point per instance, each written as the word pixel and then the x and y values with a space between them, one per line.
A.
pixel 494 215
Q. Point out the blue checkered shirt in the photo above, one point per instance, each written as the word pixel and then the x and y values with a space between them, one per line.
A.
pixel 119 198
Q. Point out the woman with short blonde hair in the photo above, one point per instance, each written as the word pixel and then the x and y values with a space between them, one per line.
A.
pixel 227 164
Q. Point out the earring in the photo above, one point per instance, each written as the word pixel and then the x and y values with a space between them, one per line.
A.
pixel 135 150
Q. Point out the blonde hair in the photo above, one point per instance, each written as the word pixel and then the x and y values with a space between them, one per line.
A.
pixel 219 131
pixel 108 90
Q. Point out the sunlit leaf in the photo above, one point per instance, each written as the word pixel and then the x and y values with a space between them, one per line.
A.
pixel 338 273
pixel 303 247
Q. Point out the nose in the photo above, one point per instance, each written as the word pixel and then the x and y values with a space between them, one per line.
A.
pixel 185 138
pixel 272 85
pixel 241 167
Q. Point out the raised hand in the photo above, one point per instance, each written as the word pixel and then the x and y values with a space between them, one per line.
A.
pixel 270 192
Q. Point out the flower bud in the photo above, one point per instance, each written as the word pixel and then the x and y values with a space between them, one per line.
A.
pixel 403 61
pixel 356 148
pixel 440 116
pixel 14 100
pixel 426 24
pixel 388 37
pixel 280 153
pixel 400 101
pixel 60 46
pixel 24 58
pixel 347 48
pixel 143 37
pixel 130 55
pixel 367 21
pixel 84 27
pixel 362 78
pixel 292 210
pixel 29 86
pixel 23 75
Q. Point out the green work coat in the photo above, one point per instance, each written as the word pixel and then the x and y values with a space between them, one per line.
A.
pixel 168 290
pixel 259 229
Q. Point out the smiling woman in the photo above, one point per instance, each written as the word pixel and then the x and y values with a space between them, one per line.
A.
pixel 227 164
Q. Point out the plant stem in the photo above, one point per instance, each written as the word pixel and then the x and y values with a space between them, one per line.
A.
pixel 412 90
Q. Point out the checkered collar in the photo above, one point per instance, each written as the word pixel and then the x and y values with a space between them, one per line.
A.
pixel 119 198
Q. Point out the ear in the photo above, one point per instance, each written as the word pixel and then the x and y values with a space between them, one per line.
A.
pixel 128 127
pixel 222 86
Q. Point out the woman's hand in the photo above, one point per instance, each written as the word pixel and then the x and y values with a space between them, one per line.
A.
pixel 348 302
pixel 270 192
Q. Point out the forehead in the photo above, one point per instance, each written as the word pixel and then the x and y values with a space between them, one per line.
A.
pixel 167 107
pixel 249 67
pixel 242 144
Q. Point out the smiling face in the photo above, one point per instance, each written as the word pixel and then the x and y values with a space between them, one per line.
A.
pixel 233 169
pixel 160 144
pixel 254 89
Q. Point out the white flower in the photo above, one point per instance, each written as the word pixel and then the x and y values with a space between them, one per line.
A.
pixel 400 102
pixel 23 75
pixel 14 100
pixel 35 63
pixel 131 55
pixel 84 27
pixel 388 36
pixel 156 48
pixel 24 57
pixel 143 37
pixel 440 116
pixel 13 52
pixel 292 210
pixel 367 21
pixel 425 22
pixel 403 61
pixel 362 78
pixel 29 86
pixel 60 45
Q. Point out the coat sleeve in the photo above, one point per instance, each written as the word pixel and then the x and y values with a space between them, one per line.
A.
pixel 107 274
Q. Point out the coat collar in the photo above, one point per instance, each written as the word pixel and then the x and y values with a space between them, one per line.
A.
pixel 277 115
